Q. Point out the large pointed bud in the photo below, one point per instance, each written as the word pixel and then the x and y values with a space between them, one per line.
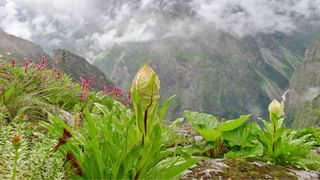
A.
pixel 277 108
pixel 147 85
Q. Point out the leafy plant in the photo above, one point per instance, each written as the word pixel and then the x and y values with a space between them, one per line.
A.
pixel 34 91
pixel 280 144
pixel 116 143
pixel 242 142
pixel 211 130
pixel 24 153
pixel 314 135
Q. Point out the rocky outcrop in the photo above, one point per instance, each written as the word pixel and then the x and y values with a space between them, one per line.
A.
pixel 242 169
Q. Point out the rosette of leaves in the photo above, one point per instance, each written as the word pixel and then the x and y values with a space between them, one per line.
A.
pixel 212 130
pixel 243 142
pixel 280 144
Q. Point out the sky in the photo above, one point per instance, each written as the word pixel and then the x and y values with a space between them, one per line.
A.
pixel 91 26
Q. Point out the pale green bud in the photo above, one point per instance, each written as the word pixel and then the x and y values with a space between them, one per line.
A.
pixel 277 108
pixel 144 86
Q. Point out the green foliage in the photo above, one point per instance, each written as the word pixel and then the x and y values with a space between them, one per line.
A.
pixel 34 92
pixel 242 142
pixel 116 143
pixel 109 147
pixel 30 159
pixel 281 144
pixel 208 126
pixel 212 131
pixel 314 135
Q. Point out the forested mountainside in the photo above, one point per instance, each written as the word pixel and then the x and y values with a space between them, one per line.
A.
pixel 213 71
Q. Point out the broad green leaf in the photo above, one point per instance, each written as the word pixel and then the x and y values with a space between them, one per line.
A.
pixel 178 168
pixel 201 120
pixel 233 124
pixel 256 150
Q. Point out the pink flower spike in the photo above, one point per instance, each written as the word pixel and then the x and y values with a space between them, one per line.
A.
pixel 90 82
pixel 126 102
pixel 53 71
pixel 43 63
pixel 26 64
pixel 58 74
pixel 129 95
pixel 14 62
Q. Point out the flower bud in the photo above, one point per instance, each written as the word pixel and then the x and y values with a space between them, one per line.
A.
pixel 16 141
pixel 275 107
pixel 148 91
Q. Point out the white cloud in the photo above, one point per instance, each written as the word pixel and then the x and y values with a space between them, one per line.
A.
pixel 93 25
pixel 11 23
pixel 245 17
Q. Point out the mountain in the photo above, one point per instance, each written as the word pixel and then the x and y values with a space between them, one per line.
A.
pixel 304 97
pixel 213 71
pixel 73 64
pixel 20 48
pixel 77 66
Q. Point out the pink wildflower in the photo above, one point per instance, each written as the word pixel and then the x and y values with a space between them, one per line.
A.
pixel 26 64
pixel 126 102
pixel 53 71
pixel 116 91
pixel 90 82
pixel 14 62
pixel 84 88
pixel 43 63
pixel 58 74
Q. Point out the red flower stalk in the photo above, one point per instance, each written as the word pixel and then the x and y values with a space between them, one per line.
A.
pixel 14 62
pixel 58 74
pixel 129 95
pixel 85 86
pixel 26 64
pixel 66 134
pixel 62 140
pixel 43 63
pixel 106 91
pixel 74 164
pixel 126 102
pixel 116 91
pixel 53 71
pixel 90 82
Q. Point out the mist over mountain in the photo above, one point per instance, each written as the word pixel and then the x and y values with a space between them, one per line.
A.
pixel 89 27
pixel 222 56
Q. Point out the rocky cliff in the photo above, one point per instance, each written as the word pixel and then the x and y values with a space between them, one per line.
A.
pixel 304 97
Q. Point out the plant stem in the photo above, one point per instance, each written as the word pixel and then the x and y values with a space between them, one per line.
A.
pixel 16 157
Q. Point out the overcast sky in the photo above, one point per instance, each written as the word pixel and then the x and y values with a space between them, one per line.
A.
pixel 90 26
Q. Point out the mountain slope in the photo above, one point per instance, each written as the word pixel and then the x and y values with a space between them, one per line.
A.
pixel 77 66
pixel 211 71
pixel 304 97
pixel 20 48
pixel 73 65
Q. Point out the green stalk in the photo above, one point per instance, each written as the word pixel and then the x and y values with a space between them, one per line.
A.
pixel 16 157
